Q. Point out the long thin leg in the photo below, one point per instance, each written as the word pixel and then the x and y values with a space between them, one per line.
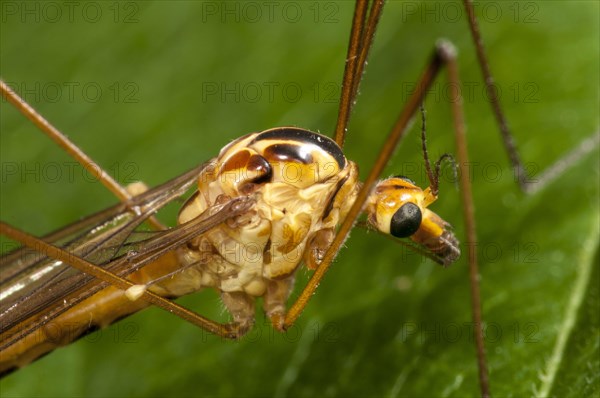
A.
pixel 444 54
pixel 361 38
pixel 469 218
pixel 73 150
pixel 62 141
pixel 346 98
pixel 384 155
pixel 554 170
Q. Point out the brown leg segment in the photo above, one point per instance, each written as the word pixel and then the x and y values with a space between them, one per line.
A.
pixel 444 54
pixel 59 138
pixel 560 165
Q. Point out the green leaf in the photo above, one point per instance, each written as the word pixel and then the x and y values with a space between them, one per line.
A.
pixel 150 89
pixel 578 360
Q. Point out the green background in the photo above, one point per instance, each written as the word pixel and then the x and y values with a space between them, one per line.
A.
pixel 384 322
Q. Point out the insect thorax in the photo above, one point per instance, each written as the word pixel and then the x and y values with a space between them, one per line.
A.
pixel 302 184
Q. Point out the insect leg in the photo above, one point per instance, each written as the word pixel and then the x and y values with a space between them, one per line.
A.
pixel 469 218
pixel 560 165
pixel 73 150
pixel 361 38
pixel 444 55
pixel 385 153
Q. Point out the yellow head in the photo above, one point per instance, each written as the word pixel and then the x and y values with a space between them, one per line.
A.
pixel 399 208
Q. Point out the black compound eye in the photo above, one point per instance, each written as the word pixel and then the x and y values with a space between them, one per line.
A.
pixel 406 220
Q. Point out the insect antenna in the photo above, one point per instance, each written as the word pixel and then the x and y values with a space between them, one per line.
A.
pixel 433 175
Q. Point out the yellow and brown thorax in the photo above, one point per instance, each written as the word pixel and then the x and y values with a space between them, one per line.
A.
pixel 303 186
